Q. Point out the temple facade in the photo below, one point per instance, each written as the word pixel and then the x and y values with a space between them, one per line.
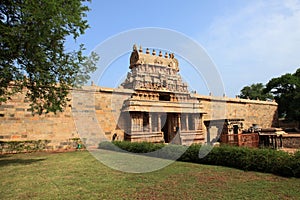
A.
pixel 153 104
pixel 161 108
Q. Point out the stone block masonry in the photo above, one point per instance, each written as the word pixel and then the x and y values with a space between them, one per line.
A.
pixel 262 113
pixel 18 124
pixel 102 108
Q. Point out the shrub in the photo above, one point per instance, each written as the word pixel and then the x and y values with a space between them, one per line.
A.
pixel 107 145
pixel 296 164
pixel 23 146
pixel 248 159
pixel 133 147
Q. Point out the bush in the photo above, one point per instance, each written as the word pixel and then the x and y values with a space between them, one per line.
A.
pixel 23 146
pixel 108 146
pixel 133 147
pixel 296 164
pixel 248 159
pixel 138 147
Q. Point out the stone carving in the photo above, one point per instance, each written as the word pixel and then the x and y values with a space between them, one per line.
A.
pixel 149 71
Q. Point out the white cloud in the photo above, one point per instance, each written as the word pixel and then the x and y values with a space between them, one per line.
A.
pixel 255 43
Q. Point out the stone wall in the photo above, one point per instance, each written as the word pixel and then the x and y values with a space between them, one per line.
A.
pixel 18 124
pixel 291 141
pixel 263 113
pixel 95 110
pixel 108 107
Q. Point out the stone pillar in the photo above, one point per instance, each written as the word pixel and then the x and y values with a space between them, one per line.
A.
pixel 158 122
pixel 207 125
pixel 280 140
pixel 132 124
pixel 196 122
pixel 208 135
pixel 201 122
pixel 150 122
pixel 178 121
pixel 140 119
pixel 187 121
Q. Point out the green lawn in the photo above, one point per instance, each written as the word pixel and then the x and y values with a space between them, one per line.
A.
pixel 78 175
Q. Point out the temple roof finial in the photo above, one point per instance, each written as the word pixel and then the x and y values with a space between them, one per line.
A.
pixel 166 55
pixel 160 54
pixel 134 47
pixel 153 52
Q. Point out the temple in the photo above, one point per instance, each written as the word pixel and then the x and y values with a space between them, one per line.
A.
pixel 153 104
pixel 161 109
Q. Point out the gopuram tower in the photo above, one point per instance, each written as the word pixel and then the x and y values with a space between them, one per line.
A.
pixel 161 109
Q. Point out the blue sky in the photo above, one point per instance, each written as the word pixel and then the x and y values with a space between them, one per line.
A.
pixel 249 41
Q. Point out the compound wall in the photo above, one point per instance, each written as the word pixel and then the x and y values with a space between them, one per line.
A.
pixel 94 110
pixel 262 113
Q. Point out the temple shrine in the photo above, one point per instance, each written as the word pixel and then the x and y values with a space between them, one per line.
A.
pixel 161 109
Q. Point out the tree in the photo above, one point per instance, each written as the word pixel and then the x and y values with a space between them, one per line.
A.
pixel 32 51
pixel 286 90
pixel 255 91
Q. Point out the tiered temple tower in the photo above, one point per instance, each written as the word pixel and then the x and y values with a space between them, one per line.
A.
pixel 161 108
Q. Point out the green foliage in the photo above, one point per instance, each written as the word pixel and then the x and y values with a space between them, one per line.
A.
pixel 138 147
pixel 286 90
pixel 23 146
pixel 248 159
pixel 255 91
pixel 134 147
pixel 159 150
pixel 33 54
pixel 296 164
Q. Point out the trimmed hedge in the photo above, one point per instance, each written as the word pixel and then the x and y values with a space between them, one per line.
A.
pixel 134 147
pixel 261 160
pixel 23 146
pixel 248 159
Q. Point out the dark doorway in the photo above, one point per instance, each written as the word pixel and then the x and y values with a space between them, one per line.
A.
pixel 145 122
pixel 165 127
pixel 169 126
pixel 235 129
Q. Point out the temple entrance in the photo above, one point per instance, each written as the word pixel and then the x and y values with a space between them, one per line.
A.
pixel 235 129
pixel 164 122
pixel 169 126
pixel 161 108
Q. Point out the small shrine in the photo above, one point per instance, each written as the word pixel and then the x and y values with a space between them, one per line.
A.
pixel 231 132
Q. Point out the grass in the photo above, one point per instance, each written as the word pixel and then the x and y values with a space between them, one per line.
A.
pixel 78 175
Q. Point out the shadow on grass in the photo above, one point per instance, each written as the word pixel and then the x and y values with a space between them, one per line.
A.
pixel 5 162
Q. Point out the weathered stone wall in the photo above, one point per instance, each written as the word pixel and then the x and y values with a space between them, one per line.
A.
pixel 108 105
pixel 291 141
pixel 263 113
pixel 96 109
pixel 18 124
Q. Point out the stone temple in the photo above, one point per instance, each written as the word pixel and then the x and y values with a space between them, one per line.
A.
pixel 161 108
pixel 153 104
